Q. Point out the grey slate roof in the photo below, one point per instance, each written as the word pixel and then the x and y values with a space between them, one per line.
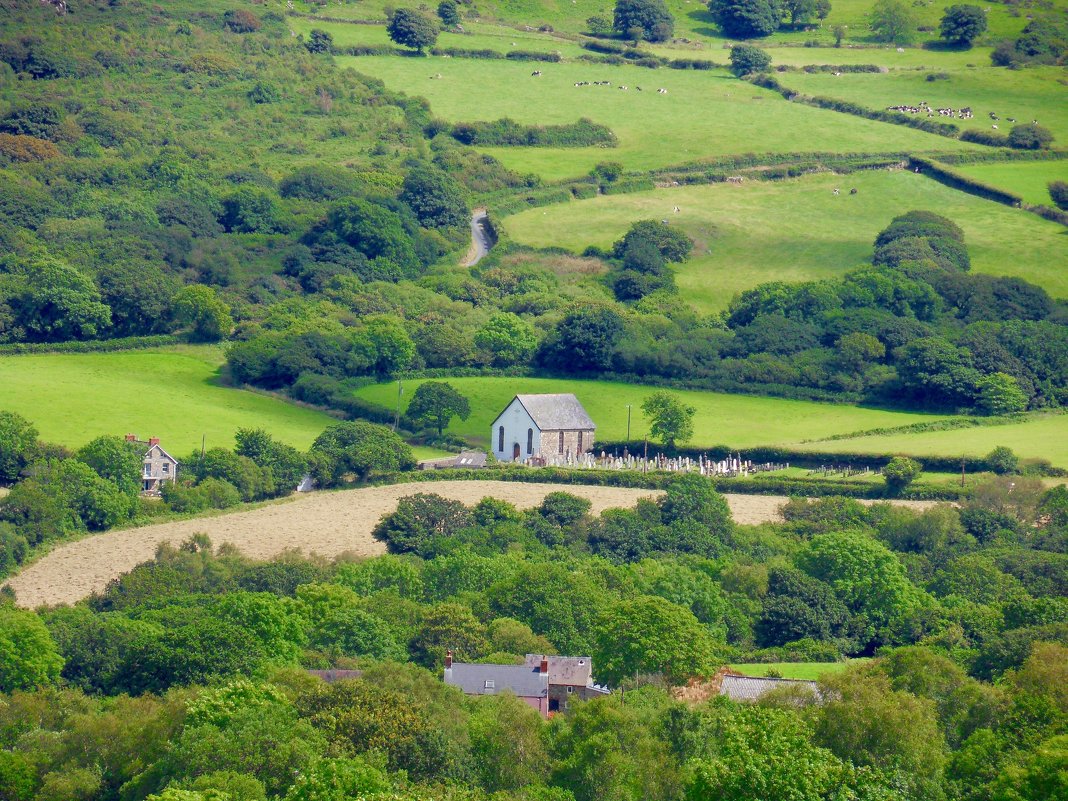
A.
pixel 556 412
pixel 573 670
pixel 520 679
pixel 465 459
pixel 750 688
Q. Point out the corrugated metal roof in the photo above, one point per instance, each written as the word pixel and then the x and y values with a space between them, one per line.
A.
pixel 519 679
pixel 750 688
pixel 556 412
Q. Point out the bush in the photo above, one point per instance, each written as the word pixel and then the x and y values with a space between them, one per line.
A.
pixel 900 472
pixel 507 132
pixel 532 55
pixel 746 59
pixel 650 17
pixel 1058 192
pixel 1003 461
pixel 1030 137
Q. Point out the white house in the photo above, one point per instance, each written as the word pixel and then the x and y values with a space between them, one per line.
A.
pixel 542 428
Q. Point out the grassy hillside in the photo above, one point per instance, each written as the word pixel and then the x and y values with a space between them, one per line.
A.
pixel 739 421
pixel 799 230
pixel 1041 437
pixel 1029 180
pixel 704 114
pixel 172 394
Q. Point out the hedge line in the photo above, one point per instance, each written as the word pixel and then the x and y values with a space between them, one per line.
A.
pixel 92 345
pixel 628 185
pixel 957 180
pixel 1049 213
pixel 460 52
pixel 506 132
pixel 659 480
pixel 532 55
pixel 983 156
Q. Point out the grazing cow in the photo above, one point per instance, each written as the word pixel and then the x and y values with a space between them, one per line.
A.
pixel 853 191
pixel 836 192
pixel 1012 119
pixel 677 210
pixel 638 88
pixel 535 74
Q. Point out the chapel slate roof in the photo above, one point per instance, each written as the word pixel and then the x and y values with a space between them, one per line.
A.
pixel 520 679
pixel 557 411
pixel 573 670
pixel 751 688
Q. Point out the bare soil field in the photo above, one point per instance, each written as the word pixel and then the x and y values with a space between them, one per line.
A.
pixel 326 523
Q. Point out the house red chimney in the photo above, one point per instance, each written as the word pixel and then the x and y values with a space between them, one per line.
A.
pixel 153 441
pixel 448 659
pixel 131 437
pixel 544 665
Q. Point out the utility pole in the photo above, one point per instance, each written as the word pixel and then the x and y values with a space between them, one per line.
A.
pixel 400 391
pixel 962 471
pixel 628 423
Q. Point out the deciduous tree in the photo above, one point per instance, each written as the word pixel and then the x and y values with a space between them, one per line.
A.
pixel 670 418
pixel 412 28
pixel 437 402
pixel 962 24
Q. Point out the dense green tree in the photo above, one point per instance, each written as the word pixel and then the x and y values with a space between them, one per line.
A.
pixel 28 656
pixel 436 403
pixel 651 17
pixel 1030 136
pixel 52 301
pixel 866 575
pixel 583 340
pixel 354 632
pixel 18 445
pixel 1058 192
pixel 359 449
pixel 746 59
pixel 412 28
pixel 670 419
pixel 651 635
pixel 436 198
pixel 199 309
pixel 250 210
pixel 319 41
pixel 115 459
pixel 375 231
pixel 1000 393
pixel 319 182
pixel 672 244
pixel 340 780
pixel 286 463
pixel 418 520
pixel 449 12
pixel 746 19
pixel 139 297
pixel 962 24
pixel 892 21
pixel 899 472
pixel 449 627
pixel 510 339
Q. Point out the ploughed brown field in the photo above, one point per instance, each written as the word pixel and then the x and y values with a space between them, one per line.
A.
pixel 323 523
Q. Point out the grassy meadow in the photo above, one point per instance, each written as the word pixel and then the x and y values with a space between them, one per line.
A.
pixel 807 671
pixel 799 230
pixel 704 114
pixel 1038 437
pixel 1028 179
pixel 740 421
pixel 1023 95
pixel 172 393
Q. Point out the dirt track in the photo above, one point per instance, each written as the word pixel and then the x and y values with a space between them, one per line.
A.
pixel 328 524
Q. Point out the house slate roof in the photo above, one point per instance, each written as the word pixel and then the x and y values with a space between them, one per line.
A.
pixel 750 688
pixel 573 670
pixel 554 412
pixel 520 679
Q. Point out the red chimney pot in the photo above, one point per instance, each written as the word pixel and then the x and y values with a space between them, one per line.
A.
pixel 153 441
pixel 131 437
pixel 545 664
pixel 448 659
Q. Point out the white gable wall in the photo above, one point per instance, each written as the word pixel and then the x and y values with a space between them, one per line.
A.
pixel 516 423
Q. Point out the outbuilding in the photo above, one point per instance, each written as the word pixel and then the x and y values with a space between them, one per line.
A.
pixel 542 428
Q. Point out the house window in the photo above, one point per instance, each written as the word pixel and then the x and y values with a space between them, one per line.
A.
pixel 148 469
pixel 570 690
pixel 166 468
pixel 580 442
pixel 500 439
pixel 561 442
pixel 489 684
pixel 530 440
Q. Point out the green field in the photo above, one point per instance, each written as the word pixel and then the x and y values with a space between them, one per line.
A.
pixel 808 671
pixel 704 114
pixel 799 230
pixel 172 394
pixel 1024 95
pixel 1028 179
pixel 1041 437
pixel 740 421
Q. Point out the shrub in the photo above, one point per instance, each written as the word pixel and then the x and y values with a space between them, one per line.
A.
pixel 900 472
pixel 650 17
pixel 962 24
pixel 241 21
pixel 746 59
pixel 26 148
pixel 1058 192
pixel 1003 461
pixel 1030 137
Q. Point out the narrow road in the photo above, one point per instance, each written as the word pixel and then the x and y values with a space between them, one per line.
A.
pixel 481 238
